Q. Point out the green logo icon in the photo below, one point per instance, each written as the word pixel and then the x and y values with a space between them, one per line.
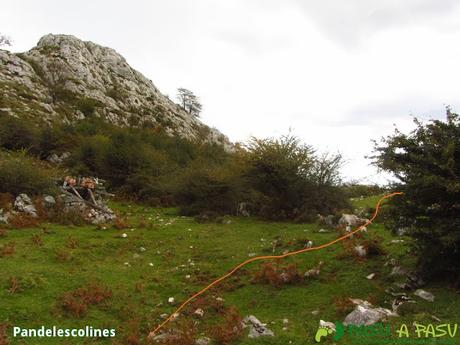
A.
pixel 326 331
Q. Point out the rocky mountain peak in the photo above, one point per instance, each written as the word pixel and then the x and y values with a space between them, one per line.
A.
pixel 64 79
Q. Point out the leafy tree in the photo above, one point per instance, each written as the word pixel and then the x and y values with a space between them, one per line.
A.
pixel 426 163
pixel 189 102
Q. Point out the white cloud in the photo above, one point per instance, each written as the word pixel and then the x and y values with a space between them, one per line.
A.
pixel 339 73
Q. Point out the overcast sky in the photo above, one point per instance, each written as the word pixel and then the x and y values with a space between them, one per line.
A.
pixel 337 73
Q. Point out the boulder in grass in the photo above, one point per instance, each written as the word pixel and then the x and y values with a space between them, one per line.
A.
pixel 24 204
pixel 365 314
pixel 256 328
pixel 427 296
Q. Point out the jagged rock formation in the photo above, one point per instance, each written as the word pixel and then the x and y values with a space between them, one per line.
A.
pixel 64 79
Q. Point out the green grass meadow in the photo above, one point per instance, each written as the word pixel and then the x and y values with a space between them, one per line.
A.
pixel 160 251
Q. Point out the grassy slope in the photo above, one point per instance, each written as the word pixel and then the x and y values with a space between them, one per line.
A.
pixel 214 248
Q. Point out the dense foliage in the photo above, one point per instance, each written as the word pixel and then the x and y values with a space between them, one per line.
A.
pixel 274 178
pixel 427 165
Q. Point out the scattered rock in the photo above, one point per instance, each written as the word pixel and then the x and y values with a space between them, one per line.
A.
pixel 171 300
pixel 256 328
pixel 401 231
pixel 124 235
pixel 370 276
pixel 199 312
pixel 398 271
pixel 203 341
pixel 390 262
pixel 360 250
pixel 24 204
pixel 58 158
pixel 314 272
pixel 351 220
pixel 327 325
pixel 427 296
pixel 399 301
pixel 49 201
pixel 4 216
pixel 243 209
pixel 365 314
pixel 396 241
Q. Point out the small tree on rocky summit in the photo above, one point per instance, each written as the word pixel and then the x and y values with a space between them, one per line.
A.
pixel 4 40
pixel 426 163
pixel 189 102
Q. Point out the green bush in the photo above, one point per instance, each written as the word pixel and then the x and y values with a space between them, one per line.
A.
pixel 426 163
pixel 22 174
pixel 216 189
pixel 87 105
pixel 291 180
pixel 17 134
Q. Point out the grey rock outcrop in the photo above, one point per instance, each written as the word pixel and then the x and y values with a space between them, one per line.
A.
pixel 365 314
pixel 256 328
pixel 24 204
pixel 64 79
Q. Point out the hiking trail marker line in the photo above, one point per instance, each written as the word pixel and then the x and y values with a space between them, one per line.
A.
pixel 272 257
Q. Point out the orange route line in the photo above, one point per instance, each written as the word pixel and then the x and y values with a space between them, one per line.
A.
pixel 270 257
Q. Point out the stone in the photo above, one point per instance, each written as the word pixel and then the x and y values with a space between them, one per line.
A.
pixel 243 210
pixel 49 201
pixel 327 325
pixel 360 250
pixel 427 296
pixel 365 314
pixel 256 328
pixel 398 271
pixel 370 276
pixel 323 230
pixel 203 341
pixel 171 300
pixel 24 204
pixel 4 216
pixel 401 231
pixel 58 158
pixel 199 312
pixel 314 272
pixel 351 220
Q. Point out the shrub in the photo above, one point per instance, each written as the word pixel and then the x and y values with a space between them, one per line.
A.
pixel 277 275
pixel 291 180
pixel 87 105
pixel 426 163
pixel 22 220
pixel 212 190
pixel 22 174
pixel 8 249
pixel 76 302
pixel 17 134
pixel 230 329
